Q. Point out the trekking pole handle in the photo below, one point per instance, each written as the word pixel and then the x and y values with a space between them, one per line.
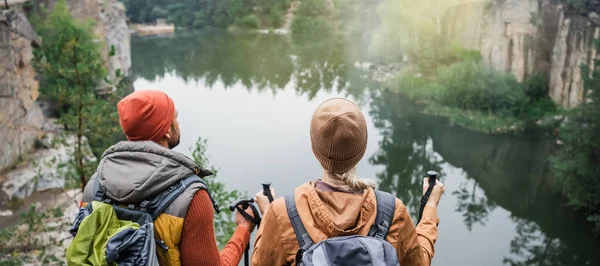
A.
pixel 241 205
pixel 432 180
pixel 267 190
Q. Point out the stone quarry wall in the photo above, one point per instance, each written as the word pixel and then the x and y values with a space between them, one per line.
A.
pixel 527 36
pixel 20 116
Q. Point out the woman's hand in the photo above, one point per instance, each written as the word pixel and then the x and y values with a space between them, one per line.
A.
pixel 262 201
pixel 436 193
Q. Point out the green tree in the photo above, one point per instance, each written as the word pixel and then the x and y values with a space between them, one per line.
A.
pixel 71 70
pixel 576 163
pixel 189 13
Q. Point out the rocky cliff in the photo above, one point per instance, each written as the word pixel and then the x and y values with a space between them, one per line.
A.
pixel 20 116
pixel 110 27
pixel 527 36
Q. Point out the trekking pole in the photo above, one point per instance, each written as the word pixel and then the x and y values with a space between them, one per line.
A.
pixel 241 205
pixel 432 179
pixel 267 190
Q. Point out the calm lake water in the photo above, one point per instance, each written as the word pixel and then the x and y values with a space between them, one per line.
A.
pixel 252 97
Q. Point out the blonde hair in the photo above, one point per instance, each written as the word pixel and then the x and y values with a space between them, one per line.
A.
pixel 351 182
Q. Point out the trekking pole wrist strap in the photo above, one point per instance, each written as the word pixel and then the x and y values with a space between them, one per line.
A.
pixel 255 220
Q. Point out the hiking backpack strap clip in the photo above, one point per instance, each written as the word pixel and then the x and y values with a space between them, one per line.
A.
pixel 100 192
pixel 386 206
pixel 160 202
pixel 302 236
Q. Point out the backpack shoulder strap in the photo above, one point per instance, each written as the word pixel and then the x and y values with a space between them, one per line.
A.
pixel 160 202
pixel 304 240
pixel 386 206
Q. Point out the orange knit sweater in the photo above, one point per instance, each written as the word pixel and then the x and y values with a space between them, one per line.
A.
pixel 198 246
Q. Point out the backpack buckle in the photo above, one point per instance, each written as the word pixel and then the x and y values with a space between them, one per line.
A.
pixel 299 256
pixel 99 195
pixel 143 205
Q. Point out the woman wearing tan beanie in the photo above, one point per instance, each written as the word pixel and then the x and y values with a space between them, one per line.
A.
pixel 340 203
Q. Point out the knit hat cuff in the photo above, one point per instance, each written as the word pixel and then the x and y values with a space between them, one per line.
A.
pixel 166 124
pixel 338 167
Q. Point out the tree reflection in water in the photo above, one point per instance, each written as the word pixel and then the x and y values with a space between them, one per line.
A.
pixel 474 208
pixel 500 171
pixel 259 62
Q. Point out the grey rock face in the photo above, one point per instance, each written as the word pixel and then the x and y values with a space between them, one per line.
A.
pixel 523 37
pixel 20 116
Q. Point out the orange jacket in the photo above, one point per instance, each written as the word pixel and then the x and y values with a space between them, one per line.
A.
pixel 330 214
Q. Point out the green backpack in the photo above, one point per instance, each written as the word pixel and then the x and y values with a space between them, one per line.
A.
pixel 108 234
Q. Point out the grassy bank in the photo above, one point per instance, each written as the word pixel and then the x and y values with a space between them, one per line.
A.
pixel 475 96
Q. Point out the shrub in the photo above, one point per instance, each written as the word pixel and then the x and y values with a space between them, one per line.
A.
pixel 304 24
pixel 472 86
pixel 536 86
pixel 455 52
pixel 412 85
pixel 312 8
pixel 248 22
pixel 275 16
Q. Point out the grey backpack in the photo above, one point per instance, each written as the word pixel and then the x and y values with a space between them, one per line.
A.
pixel 348 250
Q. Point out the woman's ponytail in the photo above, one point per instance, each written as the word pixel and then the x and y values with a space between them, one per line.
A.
pixel 354 183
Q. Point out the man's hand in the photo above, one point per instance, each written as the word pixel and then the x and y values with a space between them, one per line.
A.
pixel 436 193
pixel 241 221
pixel 263 202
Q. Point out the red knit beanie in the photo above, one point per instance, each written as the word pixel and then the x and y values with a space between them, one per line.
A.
pixel 146 115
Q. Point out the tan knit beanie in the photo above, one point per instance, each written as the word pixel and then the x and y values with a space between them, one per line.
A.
pixel 338 134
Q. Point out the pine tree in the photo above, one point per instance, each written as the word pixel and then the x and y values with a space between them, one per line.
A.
pixel 72 68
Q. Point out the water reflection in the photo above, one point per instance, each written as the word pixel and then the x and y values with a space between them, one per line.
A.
pixel 402 150
pixel 506 171
pixel 475 207
pixel 497 173
pixel 259 62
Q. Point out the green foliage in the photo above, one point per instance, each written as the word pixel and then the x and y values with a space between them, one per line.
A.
pixel 22 243
pixel 248 22
pixel 410 82
pixel 189 13
pixel 68 58
pixel 477 97
pixel 275 17
pixel 576 163
pixel 71 70
pixel 311 17
pixel 476 120
pixel 312 8
pixel 536 86
pixel 224 222
pixel 578 4
pixel 305 25
pixel 472 86
pixel 271 11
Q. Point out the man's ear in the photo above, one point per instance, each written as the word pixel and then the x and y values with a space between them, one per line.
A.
pixel 168 134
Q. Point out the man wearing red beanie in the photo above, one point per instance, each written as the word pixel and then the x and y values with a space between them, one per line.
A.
pixel 137 170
